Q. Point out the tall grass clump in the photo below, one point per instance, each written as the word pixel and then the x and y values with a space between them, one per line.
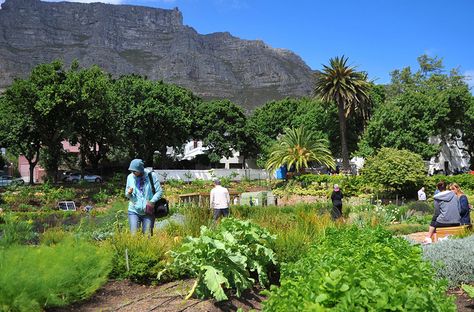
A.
pixel 195 217
pixel 295 227
pixel 453 259
pixel 36 278
pixel 145 255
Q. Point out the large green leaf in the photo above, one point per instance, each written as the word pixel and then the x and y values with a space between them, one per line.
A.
pixel 214 279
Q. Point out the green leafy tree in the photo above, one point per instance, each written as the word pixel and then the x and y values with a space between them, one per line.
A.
pixel 341 84
pixel 467 131
pixel 270 120
pixel 222 126
pixel 18 128
pixel 39 110
pixel 395 170
pixel 152 116
pixel 419 106
pixel 51 112
pixel 94 124
pixel 299 147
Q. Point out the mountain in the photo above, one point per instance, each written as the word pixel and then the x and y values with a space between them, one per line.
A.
pixel 147 41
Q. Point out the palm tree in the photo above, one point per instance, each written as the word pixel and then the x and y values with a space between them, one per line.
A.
pixel 298 147
pixel 341 84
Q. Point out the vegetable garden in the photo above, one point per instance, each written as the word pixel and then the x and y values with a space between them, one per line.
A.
pixel 296 256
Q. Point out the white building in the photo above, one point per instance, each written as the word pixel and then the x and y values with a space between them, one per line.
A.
pixel 195 148
pixel 451 158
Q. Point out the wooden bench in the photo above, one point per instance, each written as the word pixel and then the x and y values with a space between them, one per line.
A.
pixel 442 232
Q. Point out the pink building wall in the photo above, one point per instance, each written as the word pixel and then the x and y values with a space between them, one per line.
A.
pixel 39 172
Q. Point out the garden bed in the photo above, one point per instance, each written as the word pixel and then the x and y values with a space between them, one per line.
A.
pixel 127 296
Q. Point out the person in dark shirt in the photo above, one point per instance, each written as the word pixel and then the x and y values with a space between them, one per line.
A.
pixel 464 203
pixel 336 198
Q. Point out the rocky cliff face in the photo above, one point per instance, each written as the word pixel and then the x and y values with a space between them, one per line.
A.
pixel 147 41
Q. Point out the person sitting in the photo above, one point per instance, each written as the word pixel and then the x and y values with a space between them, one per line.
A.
pixel 447 211
pixel 464 204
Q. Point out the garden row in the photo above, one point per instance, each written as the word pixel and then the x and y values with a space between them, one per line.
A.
pixel 343 262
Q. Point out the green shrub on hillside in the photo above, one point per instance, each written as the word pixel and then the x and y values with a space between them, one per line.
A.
pixel 356 269
pixel 36 278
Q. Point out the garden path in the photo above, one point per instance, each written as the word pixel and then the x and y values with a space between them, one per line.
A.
pixel 125 296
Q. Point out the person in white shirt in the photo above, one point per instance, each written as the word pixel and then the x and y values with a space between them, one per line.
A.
pixel 220 200
pixel 421 194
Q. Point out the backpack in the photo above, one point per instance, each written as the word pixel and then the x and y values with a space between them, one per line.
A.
pixel 161 206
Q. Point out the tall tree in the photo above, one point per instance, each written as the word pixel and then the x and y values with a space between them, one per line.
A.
pixel 152 116
pixel 341 84
pixel 18 129
pixel 93 121
pixel 222 126
pixel 299 147
pixel 51 112
pixel 420 105
pixel 43 103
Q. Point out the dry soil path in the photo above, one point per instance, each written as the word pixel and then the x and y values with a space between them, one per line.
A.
pixel 125 296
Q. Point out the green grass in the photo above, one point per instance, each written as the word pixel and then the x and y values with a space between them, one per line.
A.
pixel 35 278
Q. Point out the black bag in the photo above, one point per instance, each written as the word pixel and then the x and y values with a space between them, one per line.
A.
pixel 162 205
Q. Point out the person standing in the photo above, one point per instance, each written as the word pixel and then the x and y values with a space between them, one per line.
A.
pixel 220 200
pixel 336 198
pixel 463 202
pixel 422 194
pixel 140 194
pixel 446 213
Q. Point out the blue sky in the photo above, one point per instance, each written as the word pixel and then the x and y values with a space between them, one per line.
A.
pixel 378 36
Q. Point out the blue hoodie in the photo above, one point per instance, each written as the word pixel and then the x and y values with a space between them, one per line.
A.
pixel 447 207
pixel 142 192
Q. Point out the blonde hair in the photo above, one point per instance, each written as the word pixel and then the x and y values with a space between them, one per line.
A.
pixel 456 188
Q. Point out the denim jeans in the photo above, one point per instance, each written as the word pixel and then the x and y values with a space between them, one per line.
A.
pixel 220 212
pixel 135 220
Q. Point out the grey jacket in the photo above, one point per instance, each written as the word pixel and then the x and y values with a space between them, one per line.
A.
pixel 447 207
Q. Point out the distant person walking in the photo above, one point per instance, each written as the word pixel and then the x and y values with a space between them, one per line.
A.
pixel 140 194
pixel 220 200
pixel 463 202
pixel 336 198
pixel 422 194
pixel 446 211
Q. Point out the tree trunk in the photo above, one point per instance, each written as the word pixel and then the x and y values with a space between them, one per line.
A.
pixel 32 170
pixel 342 128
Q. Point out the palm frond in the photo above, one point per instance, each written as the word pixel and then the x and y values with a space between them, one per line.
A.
pixel 299 147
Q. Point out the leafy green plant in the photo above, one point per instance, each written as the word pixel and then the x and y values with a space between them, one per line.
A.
pixel 13 230
pixel 469 290
pixel 395 170
pixel 352 269
pixel 36 278
pixel 452 259
pixel 404 229
pixel 421 206
pixel 224 258
pixel 101 197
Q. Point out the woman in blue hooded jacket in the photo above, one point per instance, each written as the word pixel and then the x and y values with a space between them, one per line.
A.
pixel 140 194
